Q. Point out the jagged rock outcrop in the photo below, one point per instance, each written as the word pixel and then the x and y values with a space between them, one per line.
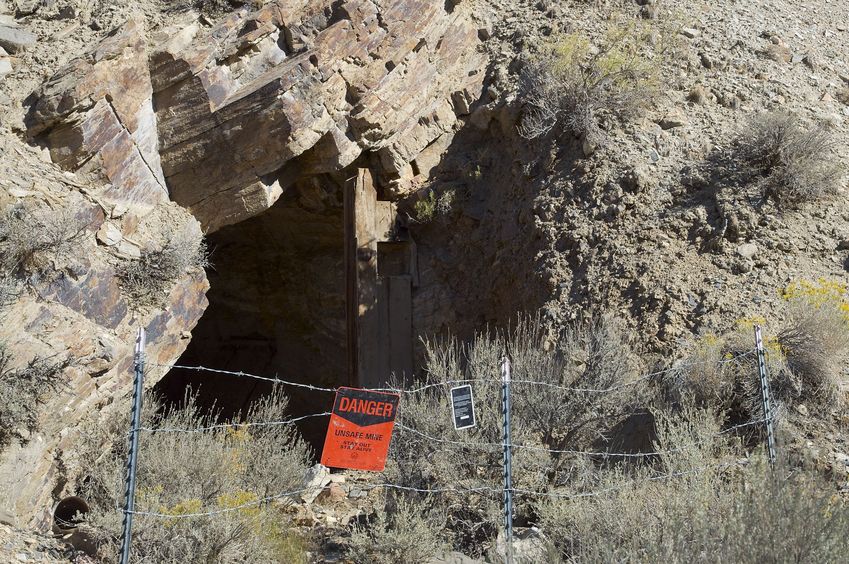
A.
pixel 96 115
pixel 301 88
pixel 73 308
pixel 221 120
pixel 245 108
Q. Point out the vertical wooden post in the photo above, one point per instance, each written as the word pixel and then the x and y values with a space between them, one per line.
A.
pixel 351 301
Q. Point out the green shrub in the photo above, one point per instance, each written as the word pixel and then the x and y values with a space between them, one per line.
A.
pixel 224 468
pixel 796 161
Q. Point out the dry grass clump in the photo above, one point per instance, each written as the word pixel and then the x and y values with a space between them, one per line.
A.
pixel 30 238
pixel 698 505
pixel 814 341
pixel 721 374
pixel 22 391
pixel 407 530
pixel 576 85
pixel 796 161
pixel 229 469
pixel 147 278
pixel 546 415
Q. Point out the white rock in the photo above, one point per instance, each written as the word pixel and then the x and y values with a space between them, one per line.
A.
pixel 15 40
pixel 109 234
pixel 747 250
pixel 841 458
pixel 5 66
pixel 128 250
pixel 316 478
pixel 690 32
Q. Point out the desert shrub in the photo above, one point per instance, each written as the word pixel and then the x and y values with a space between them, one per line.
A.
pixel 698 505
pixel 544 416
pixel 814 340
pixel 433 206
pixel 796 161
pixel 805 357
pixel 225 469
pixel 407 531
pixel 29 238
pixel 147 278
pixel 575 85
pixel 22 391
pixel 721 373
pixel 9 290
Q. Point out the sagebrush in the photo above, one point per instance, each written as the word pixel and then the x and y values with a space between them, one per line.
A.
pixel 699 504
pixel 228 470
pixel 795 160
pixel 575 85
pixel 22 392
pixel 591 357
pixel 404 530
pixel 805 354
pixel 32 237
pixel 146 279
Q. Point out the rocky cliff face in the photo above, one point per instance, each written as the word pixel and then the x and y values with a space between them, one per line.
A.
pixel 222 120
pixel 300 88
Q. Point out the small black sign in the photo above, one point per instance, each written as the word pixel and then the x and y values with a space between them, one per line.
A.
pixel 463 407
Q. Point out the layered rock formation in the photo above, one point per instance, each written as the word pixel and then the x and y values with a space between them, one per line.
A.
pixel 301 88
pixel 221 120
pixel 245 108
pixel 72 308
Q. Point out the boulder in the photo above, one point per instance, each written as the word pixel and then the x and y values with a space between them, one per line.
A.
pixel 15 39
pixel 96 114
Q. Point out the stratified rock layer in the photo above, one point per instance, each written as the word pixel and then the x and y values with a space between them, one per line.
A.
pixel 306 79
pixel 244 109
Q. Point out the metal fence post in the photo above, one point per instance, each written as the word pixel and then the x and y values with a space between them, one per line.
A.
pixel 508 460
pixel 765 395
pixel 132 456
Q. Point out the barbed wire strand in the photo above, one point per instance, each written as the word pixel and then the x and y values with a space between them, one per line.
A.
pixel 425 387
pixel 388 485
pixel 245 375
pixel 291 421
pixel 601 454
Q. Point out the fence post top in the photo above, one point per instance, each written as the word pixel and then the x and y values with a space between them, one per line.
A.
pixel 505 368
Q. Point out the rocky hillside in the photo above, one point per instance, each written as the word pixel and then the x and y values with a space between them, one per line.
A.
pixel 369 172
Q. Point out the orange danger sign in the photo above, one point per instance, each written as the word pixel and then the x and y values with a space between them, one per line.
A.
pixel 360 429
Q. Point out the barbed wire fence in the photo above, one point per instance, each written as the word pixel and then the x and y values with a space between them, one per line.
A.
pixel 505 492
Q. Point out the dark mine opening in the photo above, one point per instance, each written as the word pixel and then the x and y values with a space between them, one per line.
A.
pixel 277 308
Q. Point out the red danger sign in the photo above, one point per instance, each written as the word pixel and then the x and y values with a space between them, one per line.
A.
pixel 360 429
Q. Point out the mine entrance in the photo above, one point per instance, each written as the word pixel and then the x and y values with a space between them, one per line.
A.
pixel 316 289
